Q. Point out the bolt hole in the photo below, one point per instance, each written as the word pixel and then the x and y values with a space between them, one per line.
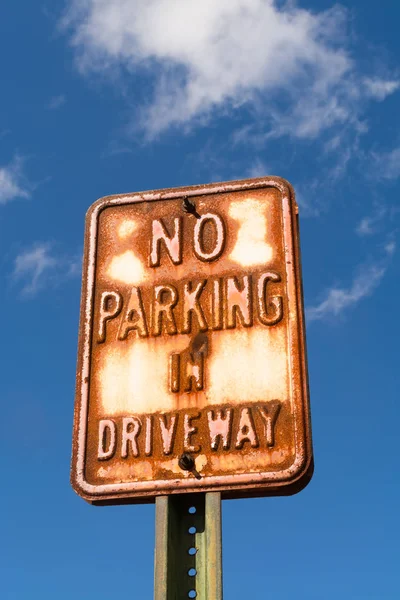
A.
pixel 192 551
pixel 192 594
pixel 192 530
pixel 192 572
pixel 192 510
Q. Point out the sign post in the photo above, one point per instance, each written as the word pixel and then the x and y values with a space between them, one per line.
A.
pixel 192 379
pixel 188 551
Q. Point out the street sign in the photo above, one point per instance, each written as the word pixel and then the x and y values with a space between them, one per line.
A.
pixel 192 368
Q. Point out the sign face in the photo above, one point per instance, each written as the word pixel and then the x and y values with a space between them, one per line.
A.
pixel 191 368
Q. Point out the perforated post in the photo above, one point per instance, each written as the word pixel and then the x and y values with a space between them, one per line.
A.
pixel 188 551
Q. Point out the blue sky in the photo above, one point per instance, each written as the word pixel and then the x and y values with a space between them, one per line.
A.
pixel 101 97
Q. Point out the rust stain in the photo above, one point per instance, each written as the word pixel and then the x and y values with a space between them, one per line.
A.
pixel 192 341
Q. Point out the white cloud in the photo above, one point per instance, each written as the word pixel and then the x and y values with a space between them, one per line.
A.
pixel 12 182
pixel 390 247
pixel 223 54
pixel 380 88
pixel 39 266
pixel 337 299
pixel 57 102
pixel 370 224
pixel 388 164
pixel 115 148
pixel 311 198
pixel 258 169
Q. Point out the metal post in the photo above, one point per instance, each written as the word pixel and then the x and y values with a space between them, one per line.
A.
pixel 188 551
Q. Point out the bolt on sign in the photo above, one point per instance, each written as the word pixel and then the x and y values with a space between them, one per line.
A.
pixel 192 367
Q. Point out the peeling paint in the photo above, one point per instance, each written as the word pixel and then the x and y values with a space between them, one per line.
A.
pixel 126 268
pixel 251 247
pixel 192 341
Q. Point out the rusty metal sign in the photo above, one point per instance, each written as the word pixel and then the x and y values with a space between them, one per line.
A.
pixel 192 368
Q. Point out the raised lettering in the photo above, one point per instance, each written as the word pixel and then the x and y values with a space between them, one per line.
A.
pixel 270 413
pixel 191 306
pixel 246 431
pixel 165 298
pixel 174 372
pixel 110 307
pixel 219 227
pixel 269 313
pixel 238 302
pixel 173 244
pixel 131 427
pixel 220 427
pixel 148 448
pixel 134 317
pixel 195 372
pixel 216 305
pixel 188 432
pixel 107 439
pixel 168 432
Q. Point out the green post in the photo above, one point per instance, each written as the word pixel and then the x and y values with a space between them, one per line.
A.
pixel 188 551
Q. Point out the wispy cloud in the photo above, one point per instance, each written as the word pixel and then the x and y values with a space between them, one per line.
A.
pixel 39 266
pixel 290 64
pixel 390 247
pixel 310 198
pixel 13 183
pixel 388 163
pixel 370 224
pixel 258 169
pixel 338 299
pixel 115 148
pixel 380 88
pixel 57 102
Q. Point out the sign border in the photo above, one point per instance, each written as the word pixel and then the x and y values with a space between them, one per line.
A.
pixel 288 481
